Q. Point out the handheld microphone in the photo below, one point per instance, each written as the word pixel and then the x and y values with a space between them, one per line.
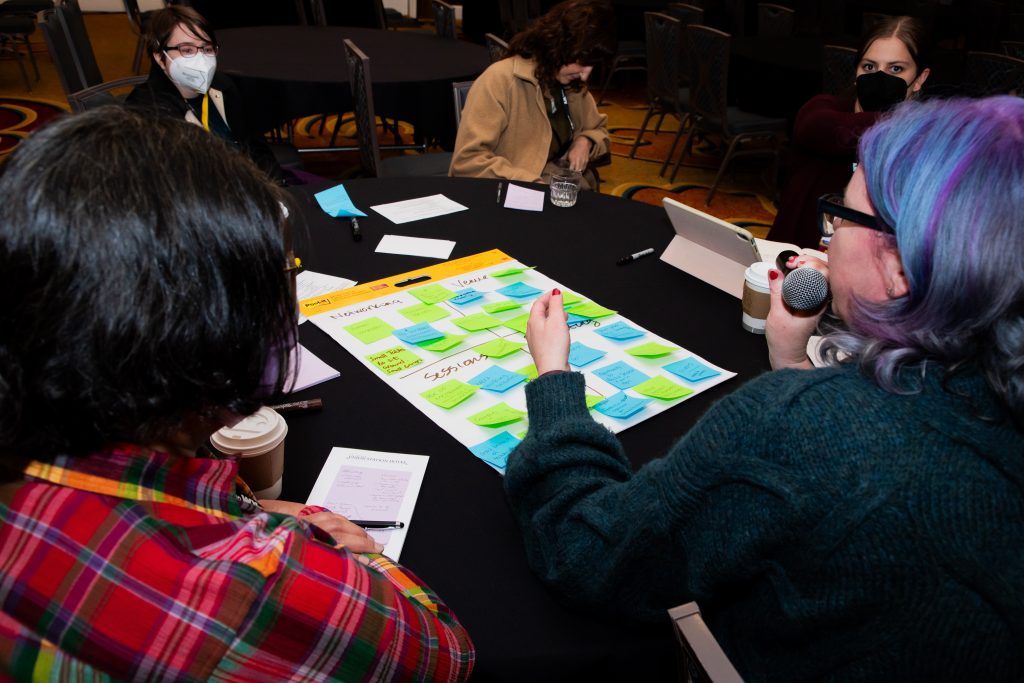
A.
pixel 805 289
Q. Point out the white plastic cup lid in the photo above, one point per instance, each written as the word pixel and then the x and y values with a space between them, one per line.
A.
pixel 757 274
pixel 254 435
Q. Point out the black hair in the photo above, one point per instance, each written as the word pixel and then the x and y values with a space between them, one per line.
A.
pixel 142 284
pixel 162 23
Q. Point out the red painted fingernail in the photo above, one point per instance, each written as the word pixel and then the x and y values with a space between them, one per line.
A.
pixel 773 274
pixel 556 291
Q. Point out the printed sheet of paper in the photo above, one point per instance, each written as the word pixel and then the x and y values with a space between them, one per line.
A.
pixel 479 354
pixel 524 198
pixel 415 246
pixel 372 485
pixel 309 284
pixel 418 209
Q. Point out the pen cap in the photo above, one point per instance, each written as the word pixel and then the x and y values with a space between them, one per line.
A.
pixel 258 441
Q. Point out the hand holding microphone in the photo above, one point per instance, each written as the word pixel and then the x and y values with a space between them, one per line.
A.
pixel 804 288
pixel 796 306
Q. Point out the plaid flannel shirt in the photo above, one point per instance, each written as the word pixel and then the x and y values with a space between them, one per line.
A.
pixel 134 565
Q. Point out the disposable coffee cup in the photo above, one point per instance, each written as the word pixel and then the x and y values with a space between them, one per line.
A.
pixel 258 442
pixel 756 297
pixel 565 187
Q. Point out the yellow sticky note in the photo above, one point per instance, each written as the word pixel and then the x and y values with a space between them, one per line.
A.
pixel 369 330
pixel 477 322
pixel 590 309
pixel 432 294
pixel 662 388
pixel 423 313
pixel 498 348
pixel 498 415
pixel 394 360
pixel 449 341
pixel 651 350
pixel 450 394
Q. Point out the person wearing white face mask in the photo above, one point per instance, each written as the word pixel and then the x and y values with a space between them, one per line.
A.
pixel 183 83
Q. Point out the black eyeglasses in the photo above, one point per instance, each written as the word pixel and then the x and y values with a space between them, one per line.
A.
pixel 832 214
pixel 190 50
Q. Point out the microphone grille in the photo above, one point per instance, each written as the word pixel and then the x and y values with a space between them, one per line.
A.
pixel 805 289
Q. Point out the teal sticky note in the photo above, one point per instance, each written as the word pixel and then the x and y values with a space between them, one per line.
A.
pixel 336 203
pixel 519 290
pixel 621 375
pixel 692 370
pixel 495 450
pixel 418 333
pixel 497 379
pixel 619 331
pixel 581 354
pixel 621 405
pixel 466 296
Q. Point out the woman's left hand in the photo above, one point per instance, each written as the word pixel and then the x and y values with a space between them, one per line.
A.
pixel 579 153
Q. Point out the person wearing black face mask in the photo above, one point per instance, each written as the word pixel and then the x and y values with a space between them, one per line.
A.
pixel 890 69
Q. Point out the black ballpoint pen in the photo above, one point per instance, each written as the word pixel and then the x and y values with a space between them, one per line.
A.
pixel 633 257
pixel 377 524
pixel 356 235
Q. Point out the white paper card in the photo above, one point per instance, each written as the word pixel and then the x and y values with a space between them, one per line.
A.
pixel 310 371
pixel 309 284
pixel 418 209
pixel 524 198
pixel 415 246
pixel 372 485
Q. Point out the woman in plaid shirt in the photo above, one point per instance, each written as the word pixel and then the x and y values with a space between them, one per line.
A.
pixel 145 301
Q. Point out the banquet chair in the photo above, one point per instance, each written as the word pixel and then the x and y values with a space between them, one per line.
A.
pixel 516 14
pixel 665 95
pixel 775 21
pixel 359 80
pixel 709 112
pixel 631 55
pixel 990 73
pixel 444 19
pixel 14 33
pixel 701 657
pixel 70 50
pixel 103 94
pixel 139 21
pixel 496 47
pixel 460 90
pixel 838 65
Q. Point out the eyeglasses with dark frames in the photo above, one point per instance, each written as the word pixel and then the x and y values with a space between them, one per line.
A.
pixel 833 213
pixel 190 50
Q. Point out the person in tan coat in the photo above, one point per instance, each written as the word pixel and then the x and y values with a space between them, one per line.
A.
pixel 530 114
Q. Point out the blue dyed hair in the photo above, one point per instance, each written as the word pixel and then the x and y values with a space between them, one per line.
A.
pixel 948 175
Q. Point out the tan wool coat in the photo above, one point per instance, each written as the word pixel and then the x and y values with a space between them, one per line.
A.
pixel 505 131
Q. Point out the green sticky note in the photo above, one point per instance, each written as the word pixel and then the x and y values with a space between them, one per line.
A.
pixel 450 394
pixel 570 299
pixel 498 415
pixel 394 360
pixel 651 350
pixel 660 387
pixel 423 313
pixel 477 322
pixel 369 330
pixel 449 341
pixel 499 306
pixel 498 348
pixel 590 309
pixel 518 323
pixel 530 371
pixel 593 401
pixel 522 435
pixel 512 271
pixel 432 294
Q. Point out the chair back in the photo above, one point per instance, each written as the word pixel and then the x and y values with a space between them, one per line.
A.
pixel 775 21
pixel 989 73
pixel 709 74
pixel 702 658
pixel 838 68
pixel 131 8
pixel 663 39
pixel 61 52
pixel 356 13
pixel 70 16
pixel 496 47
pixel 516 14
pixel 1014 49
pixel 444 19
pixel 102 94
pixel 460 90
pixel 362 101
pixel 686 14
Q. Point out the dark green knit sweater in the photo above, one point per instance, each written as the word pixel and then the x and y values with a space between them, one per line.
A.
pixel 828 529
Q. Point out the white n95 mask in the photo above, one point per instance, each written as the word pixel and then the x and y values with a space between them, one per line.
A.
pixel 195 72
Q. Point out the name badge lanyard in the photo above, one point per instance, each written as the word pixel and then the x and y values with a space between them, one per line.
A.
pixel 206 112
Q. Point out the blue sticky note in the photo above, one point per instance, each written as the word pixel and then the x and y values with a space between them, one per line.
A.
pixel 621 375
pixel 335 202
pixel 621 405
pixel 692 370
pixel 417 334
pixel 573 319
pixel 619 331
pixel 466 296
pixel 495 450
pixel 497 379
pixel 581 354
pixel 519 290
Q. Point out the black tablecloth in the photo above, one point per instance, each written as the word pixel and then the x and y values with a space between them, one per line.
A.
pixel 286 72
pixel 463 541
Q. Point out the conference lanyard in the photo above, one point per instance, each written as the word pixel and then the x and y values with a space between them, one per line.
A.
pixel 206 112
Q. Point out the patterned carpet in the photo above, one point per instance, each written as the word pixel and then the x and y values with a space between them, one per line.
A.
pixel 19 116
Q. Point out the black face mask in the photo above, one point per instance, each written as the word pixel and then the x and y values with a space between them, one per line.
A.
pixel 880 91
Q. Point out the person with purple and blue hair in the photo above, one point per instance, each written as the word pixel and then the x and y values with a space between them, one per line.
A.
pixel 860 521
